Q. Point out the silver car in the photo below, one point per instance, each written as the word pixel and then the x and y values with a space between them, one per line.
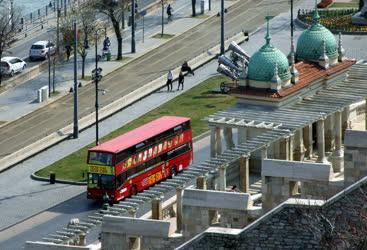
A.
pixel 41 49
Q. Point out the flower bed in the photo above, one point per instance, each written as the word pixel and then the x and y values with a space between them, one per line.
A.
pixel 336 20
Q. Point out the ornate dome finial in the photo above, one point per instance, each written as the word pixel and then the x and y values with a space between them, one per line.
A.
pixel 324 59
pixel 268 36
pixel 316 16
pixel 341 50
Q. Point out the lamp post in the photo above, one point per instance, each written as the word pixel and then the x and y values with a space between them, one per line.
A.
pixel 221 27
pixel 49 68
pixel 12 14
pixel 96 76
pixel 76 129
pixel 133 26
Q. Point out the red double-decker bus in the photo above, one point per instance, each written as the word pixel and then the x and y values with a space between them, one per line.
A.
pixel 140 158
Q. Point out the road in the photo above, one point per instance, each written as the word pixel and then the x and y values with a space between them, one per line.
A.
pixel 245 15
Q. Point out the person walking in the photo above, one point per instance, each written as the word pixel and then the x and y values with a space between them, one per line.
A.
pixel 186 68
pixel 181 80
pixel 169 81
pixel 68 52
pixel 169 12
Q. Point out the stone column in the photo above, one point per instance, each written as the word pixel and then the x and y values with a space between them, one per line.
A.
pixel 241 135
pixel 228 137
pixel 307 139
pixel 134 241
pixel 298 154
pixel 201 182
pixel 212 185
pixel 218 141
pixel 179 193
pixel 82 240
pixel 244 174
pixel 329 138
pixel 338 155
pixel 157 211
pixel 284 148
pixel 345 120
pixel 321 142
pixel 264 152
pixel 222 184
pixel 291 147
pixel 213 143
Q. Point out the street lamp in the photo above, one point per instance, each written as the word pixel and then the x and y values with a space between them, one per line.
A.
pixel 222 27
pixel 76 129
pixel 96 77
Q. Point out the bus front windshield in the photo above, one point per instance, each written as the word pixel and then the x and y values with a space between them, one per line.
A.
pixel 100 158
pixel 102 181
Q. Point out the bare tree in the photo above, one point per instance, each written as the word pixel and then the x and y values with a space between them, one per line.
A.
pixel 113 9
pixel 193 5
pixel 8 18
pixel 86 20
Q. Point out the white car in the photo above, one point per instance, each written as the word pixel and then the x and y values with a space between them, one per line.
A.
pixel 41 49
pixel 11 65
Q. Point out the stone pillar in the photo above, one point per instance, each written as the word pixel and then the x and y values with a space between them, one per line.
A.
pixel 299 152
pixel 82 240
pixel 284 148
pixel 308 141
pixel 218 141
pixel 157 211
pixel 134 241
pixel 213 143
pixel 241 135
pixel 338 155
pixel 201 182
pixel 329 138
pixel 264 152
pixel 222 184
pixel 179 194
pixel 244 174
pixel 212 185
pixel 228 137
pixel 291 147
pixel 272 192
pixel 345 120
pixel 321 142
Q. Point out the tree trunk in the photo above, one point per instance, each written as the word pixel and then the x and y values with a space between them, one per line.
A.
pixel 1 55
pixel 360 6
pixel 83 65
pixel 162 18
pixel 193 3
pixel 116 27
pixel 123 19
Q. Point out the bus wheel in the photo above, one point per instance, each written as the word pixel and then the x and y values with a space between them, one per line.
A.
pixel 133 190
pixel 173 171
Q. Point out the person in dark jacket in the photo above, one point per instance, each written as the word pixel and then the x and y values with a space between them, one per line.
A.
pixel 181 80
pixel 186 68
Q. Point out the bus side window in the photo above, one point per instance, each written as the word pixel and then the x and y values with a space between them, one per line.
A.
pixel 131 172
pixel 120 179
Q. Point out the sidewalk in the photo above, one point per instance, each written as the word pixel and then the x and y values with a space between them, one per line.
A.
pixel 21 100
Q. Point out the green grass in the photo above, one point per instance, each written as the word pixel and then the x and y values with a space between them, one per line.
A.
pixel 165 36
pixel 344 5
pixel 196 103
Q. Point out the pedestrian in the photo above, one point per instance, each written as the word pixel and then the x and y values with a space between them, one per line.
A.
pixel 185 67
pixel 181 80
pixel 169 12
pixel 50 4
pixel 169 81
pixel 68 52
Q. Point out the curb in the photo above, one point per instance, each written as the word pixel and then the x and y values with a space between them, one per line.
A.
pixel 84 183
pixel 108 110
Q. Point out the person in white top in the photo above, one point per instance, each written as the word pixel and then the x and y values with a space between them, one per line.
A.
pixel 169 81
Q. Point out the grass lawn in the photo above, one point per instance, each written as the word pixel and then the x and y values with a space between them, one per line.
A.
pixel 351 4
pixel 196 103
pixel 165 36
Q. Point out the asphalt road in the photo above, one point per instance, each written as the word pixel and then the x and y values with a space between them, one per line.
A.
pixel 244 15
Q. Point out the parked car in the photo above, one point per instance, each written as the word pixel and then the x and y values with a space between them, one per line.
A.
pixel 40 50
pixel 11 65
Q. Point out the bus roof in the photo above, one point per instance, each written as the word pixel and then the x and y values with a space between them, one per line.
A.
pixel 140 134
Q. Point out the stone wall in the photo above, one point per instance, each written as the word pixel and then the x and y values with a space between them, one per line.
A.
pixel 355 156
pixel 338 223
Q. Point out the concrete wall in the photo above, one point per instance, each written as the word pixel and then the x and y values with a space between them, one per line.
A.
pixel 338 223
pixel 34 245
pixel 355 156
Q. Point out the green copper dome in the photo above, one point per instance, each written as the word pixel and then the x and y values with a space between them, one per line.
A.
pixel 262 63
pixel 309 45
